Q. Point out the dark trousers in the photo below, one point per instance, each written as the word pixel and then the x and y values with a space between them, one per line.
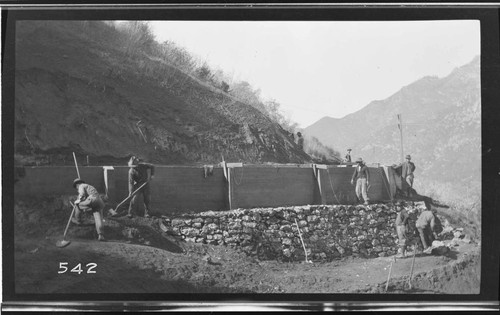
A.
pixel 146 193
pixel 96 206
pixel 425 236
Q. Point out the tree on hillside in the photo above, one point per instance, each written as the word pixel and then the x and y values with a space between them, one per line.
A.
pixel 273 109
pixel 246 94
pixel 178 56
pixel 137 36
pixel 319 152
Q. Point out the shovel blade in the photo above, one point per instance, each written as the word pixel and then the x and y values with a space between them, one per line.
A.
pixel 62 243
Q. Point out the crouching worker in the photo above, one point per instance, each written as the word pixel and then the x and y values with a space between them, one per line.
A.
pixel 426 226
pixel 401 229
pixel 88 200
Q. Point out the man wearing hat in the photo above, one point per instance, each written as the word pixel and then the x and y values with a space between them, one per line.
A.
pixel 426 226
pixel 88 200
pixel 348 156
pixel 407 168
pixel 137 176
pixel 362 178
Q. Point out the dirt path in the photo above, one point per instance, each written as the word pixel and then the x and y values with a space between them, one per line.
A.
pixel 134 268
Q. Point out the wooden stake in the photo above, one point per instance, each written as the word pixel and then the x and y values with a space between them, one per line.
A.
pixel 301 240
pixel 389 277
pixel 76 165
pixel 412 265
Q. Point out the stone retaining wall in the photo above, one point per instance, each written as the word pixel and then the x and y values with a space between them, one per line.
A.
pixel 328 231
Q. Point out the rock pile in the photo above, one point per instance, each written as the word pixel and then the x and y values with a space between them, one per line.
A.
pixel 328 231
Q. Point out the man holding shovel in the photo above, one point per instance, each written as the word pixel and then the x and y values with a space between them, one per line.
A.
pixel 88 200
pixel 137 176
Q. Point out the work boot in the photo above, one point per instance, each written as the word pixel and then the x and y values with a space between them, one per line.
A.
pixel 401 253
pixel 428 250
pixel 130 215
pixel 101 238
pixel 146 214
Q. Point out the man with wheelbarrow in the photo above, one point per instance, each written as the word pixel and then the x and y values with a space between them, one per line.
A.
pixel 138 177
pixel 88 200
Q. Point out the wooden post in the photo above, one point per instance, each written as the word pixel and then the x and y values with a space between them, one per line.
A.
pixel 230 188
pixel 109 183
pixel 389 277
pixel 412 265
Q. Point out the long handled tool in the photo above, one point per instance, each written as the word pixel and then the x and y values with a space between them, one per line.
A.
pixel 389 276
pixel 300 235
pixel 114 212
pixel 412 265
pixel 64 242
pixel 76 165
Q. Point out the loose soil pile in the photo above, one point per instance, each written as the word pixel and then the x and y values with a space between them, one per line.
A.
pixel 139 258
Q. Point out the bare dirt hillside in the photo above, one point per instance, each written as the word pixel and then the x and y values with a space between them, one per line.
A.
pixel 76 90
pixel 139 258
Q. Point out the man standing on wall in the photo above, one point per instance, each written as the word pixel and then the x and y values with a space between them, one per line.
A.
pixel 88 200
pixel 348 156
pixel 300 140
pixel 362 178
pixel 426 226
pixel 137 176
pixel 406 170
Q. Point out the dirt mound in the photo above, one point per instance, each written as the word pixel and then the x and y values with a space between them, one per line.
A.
pixel 140 258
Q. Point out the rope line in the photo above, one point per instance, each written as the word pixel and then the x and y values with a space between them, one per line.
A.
pixel 241 177
pixel 331 185
pixel 385 184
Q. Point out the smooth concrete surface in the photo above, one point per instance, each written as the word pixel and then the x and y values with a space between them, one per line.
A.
pixel 187 189
pixel 271 186
pixel 336 187
pixel 55 180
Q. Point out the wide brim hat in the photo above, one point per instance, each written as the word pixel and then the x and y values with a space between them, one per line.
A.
pixel 77 181
pixel 349 149
pixel 408 157
pixel 359 160
pixel 133 161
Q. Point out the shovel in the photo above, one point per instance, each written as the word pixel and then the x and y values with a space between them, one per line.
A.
pixel 64 242
pixel 114 212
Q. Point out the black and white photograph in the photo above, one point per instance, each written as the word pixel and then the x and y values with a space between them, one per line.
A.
pixel 246 155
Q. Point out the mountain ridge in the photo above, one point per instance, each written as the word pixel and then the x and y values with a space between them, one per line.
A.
pixel 441 119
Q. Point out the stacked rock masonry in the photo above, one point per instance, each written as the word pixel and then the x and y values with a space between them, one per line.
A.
pixel 328 231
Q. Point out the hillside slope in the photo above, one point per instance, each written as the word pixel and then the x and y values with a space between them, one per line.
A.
pixel 78 91
pixel 441 131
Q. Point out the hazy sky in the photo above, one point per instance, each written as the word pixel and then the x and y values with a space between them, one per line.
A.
pixel 317 69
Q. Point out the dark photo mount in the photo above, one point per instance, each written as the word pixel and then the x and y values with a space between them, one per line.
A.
pixel 487 299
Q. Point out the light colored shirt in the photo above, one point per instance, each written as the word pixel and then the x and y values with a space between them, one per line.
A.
pixel 85 191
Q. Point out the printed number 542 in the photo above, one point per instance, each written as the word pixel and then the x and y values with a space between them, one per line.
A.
pixel 78 268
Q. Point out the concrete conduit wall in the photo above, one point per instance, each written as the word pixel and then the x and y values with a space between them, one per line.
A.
pixel 337 188
pixel 184 189
pixel 272 186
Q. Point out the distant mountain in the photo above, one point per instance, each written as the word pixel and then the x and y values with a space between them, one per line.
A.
pixel 441 131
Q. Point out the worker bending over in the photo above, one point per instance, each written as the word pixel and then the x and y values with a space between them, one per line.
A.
pixel 88 200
